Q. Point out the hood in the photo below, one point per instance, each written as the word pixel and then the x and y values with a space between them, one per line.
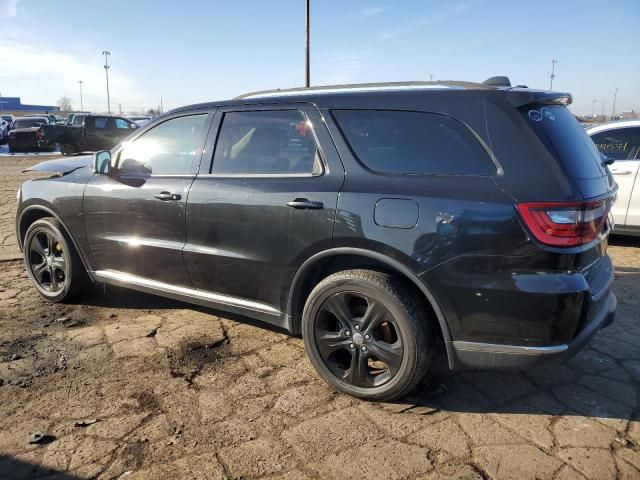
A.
pixel 62 166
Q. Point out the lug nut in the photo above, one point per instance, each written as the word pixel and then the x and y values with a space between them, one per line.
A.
pixel 357 327
pixel 367 337
pixel 348 333
pixel 364 349
pixel 351 345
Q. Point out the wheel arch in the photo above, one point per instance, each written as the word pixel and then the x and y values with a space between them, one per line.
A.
pixel 325 263
pixel 33 213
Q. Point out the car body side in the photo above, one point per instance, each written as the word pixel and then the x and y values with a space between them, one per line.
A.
pixel 478 271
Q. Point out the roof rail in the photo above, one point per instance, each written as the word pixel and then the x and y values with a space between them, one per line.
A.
pixel 354 86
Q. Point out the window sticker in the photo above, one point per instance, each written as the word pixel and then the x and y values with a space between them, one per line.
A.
pixel 539 115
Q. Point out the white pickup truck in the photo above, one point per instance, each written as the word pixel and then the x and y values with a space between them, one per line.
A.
pixel 621 142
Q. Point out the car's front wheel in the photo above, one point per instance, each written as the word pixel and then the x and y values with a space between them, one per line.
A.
pixel 52 263
pixel 367 335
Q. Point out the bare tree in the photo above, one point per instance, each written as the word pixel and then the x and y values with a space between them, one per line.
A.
pixel 65 104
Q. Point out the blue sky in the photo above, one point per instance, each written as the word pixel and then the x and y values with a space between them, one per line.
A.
pixel 190 51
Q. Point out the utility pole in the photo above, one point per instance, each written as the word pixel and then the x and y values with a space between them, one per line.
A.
pixel 120 108
pixel 106 54
pixel 307 72
pixel 593 108
pixel 431 77
pixel 613 110
pixel 553 69
pixel 80 82
pixel 161 107
pixel 603 119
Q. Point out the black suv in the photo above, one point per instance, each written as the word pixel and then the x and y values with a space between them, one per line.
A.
pixel 374 220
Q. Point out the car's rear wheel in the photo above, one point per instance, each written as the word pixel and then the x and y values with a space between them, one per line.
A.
pixel 366 335
pixel 67 149
pixel 52 263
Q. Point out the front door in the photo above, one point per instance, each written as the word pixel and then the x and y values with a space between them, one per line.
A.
pixel 264 204
pixel 135 217
pixel 622 145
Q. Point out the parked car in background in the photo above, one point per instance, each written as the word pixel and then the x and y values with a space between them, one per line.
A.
pixel 88 133
pixel 141 120
pixel 3 131
pixel 376 220
pixel 620 141
pixel 71 117
pixel 8 118
pixel 26 134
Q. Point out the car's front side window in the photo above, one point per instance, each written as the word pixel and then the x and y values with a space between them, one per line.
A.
pixel 266 142
pixel 619 144
pixel 169 148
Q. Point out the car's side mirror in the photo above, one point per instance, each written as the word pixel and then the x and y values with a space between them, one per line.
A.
pixel 102 162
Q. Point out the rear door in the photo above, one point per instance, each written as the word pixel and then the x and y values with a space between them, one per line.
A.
pixel 263 202
pixel 623 145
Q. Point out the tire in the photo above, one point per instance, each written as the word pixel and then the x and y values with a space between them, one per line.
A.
pixel 63 276
pixel 349 306
pixel 67 149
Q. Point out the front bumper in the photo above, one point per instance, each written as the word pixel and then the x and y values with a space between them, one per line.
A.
pixel 495 356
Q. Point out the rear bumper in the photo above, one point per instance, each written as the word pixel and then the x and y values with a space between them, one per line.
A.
pixel 494 356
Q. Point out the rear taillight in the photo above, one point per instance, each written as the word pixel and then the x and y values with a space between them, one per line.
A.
pixel 565 224
pixel 40 134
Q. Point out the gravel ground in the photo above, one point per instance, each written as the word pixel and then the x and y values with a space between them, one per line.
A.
pixel 127 385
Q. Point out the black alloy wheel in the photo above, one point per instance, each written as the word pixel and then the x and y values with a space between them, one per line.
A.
pixel 358 339
pixel 367 334
pixel 52 263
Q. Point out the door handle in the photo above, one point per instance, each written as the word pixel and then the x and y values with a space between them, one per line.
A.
pixel 304 204
pixel 166 196
pixel 621 172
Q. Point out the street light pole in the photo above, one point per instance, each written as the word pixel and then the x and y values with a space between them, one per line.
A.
pixel 613 110
pixel 106 54
pixel 307 72
pixel 593 108
pixel 553 69
pixel 80 82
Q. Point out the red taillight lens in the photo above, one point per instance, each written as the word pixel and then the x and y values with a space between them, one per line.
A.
pixel 565 224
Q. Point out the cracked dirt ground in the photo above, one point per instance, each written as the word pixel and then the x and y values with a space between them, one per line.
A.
pixel 178 392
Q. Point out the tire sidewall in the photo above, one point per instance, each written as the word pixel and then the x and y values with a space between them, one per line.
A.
pixel 34 228
pixel 400 315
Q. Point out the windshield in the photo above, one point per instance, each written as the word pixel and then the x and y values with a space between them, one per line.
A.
pixel 28 122
pixel 559 130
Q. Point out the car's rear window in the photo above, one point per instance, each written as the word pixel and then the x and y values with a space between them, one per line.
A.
pixel 27 123
pixel 559 130
pixel 418 143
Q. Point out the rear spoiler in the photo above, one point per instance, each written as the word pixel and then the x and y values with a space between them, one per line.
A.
pixel 524 96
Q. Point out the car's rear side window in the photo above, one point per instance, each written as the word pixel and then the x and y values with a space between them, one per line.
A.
pixel 418 143
pixel 266 142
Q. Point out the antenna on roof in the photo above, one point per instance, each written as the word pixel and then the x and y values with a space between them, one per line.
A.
pixel 497 82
